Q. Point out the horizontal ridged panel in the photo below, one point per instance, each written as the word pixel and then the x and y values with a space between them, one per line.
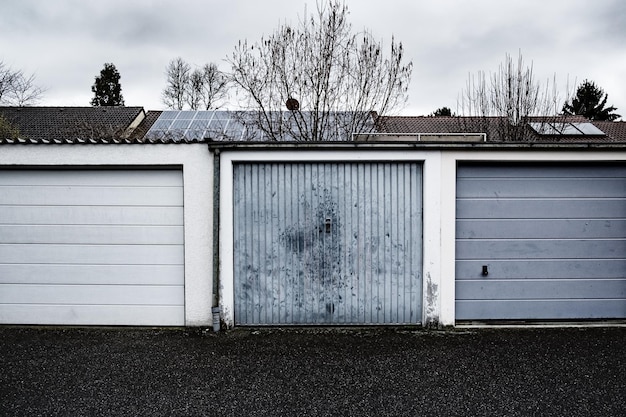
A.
pixel 541 268
pixel 537 229
pixel 586 209
pixel 540 309
pixel 92 234
pixel 86 315
pixel 91 294
pixel 90 196
pixel 327 243
pixel 553 188
pixel 540 171
pixel 473 249
pixel 92 254
pixel 87 240
pixel 490 289
pixel 106 178
pixel 102 215
pixel 544 232
pixel 151 274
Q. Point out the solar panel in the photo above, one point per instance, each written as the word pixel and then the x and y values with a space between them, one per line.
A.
pixel 168 115
pixel 187 114
pixel 588 129
pixel 544 128
pixel 220 125
pixel 566 129
pixel 176 125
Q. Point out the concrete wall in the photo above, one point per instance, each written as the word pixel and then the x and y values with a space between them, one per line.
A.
pixel 439 185
pixel 439 170
pixel 197 166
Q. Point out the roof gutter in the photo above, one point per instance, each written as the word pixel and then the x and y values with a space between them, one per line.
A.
pixel 422 145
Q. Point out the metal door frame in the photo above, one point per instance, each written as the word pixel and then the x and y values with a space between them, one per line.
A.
pixel 431 206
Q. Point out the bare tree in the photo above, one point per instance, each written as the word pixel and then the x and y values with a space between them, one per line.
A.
pixel 178 73
pixel 200 89
pixel 329 79
pixel 194 89
pixel 7 81
pixel 214 87
pixel 504 102
pixel 18 89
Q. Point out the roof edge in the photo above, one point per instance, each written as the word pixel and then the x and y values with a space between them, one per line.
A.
pixel 486 146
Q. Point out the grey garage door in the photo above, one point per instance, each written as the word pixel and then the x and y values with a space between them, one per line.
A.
pixel 541 242
pixel 90 247
pixel 327 243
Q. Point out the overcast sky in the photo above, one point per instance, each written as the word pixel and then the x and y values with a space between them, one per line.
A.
pixel 65 43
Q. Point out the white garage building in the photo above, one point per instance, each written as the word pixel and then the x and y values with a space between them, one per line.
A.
pixel 123 232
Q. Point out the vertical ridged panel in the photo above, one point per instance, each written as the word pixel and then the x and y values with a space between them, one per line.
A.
pixel 364 268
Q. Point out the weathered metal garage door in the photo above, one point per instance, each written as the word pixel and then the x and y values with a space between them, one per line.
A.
pixel 541 242
pixel 89 247
pixel 328 243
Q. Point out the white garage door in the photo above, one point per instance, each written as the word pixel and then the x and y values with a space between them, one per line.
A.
pixel 91 247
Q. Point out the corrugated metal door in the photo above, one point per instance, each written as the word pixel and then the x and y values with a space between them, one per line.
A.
pixel 327 243
pixel 91 247
pixel 552 240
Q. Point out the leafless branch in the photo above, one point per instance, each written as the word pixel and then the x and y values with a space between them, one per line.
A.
pixel 18 89
pixel 504 102
pixel 337 76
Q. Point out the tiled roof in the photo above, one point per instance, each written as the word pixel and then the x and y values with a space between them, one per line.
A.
pixel 496 127
pixel 421 124
pixel 616 131
pixel 490 126
pixel 140 131
pixel 76 125
pixel 72 124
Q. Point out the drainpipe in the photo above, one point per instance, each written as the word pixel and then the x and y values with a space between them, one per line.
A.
pixel 215 309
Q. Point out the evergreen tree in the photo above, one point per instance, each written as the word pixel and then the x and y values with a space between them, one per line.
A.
pixel 7 130
pixel 590 101
pixel 107 88
pixel 442 112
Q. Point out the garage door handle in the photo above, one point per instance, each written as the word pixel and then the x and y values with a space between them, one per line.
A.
pixel 328 223
pixel 485 270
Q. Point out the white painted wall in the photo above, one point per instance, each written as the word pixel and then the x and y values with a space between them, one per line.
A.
pixel 439 210
pixel 439 170
pixel 197 166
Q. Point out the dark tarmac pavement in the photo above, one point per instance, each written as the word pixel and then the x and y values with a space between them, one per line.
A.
pixel 312 372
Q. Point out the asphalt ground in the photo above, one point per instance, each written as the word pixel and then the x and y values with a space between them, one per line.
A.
pixel 312 372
